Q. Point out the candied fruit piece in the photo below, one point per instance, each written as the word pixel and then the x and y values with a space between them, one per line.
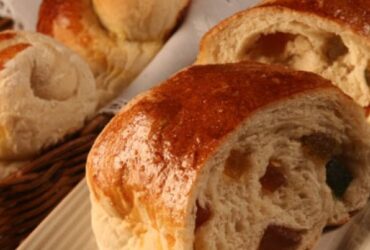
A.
pixel 320 145
pixel 335 48
pixel 236 164
pixel 338 177
pixel 271 45
pixel 273 178
pixel 202 215
pixel 280 238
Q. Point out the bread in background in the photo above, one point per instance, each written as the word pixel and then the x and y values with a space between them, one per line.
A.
pixel 117 38
pixel 330 38
pixel 46 93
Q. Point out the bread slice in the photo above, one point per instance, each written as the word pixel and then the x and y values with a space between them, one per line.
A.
pixel 234 156
pixel 330 38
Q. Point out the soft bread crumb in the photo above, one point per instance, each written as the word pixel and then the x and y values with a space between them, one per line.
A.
pixel 314 44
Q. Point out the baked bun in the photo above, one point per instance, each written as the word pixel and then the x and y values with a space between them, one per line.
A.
pixel 116 37
pixel 330 38
pixel 46 92
pixel 235 156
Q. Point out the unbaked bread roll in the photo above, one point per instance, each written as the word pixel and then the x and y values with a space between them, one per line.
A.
pixel 330 38
pixel 116 37
pixel 235 156
pixel 46 93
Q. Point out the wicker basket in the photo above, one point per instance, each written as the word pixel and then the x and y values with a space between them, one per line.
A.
pixel 28 196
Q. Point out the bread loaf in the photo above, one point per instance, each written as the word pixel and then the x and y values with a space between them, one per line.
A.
pixel 46 93
pixel 117 38
pixel 234 156
pixel 330 38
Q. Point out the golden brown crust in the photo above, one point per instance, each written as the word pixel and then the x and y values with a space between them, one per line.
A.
pixel 10 52
pixel 352 13
pixel 157 147
pixel 68 15
pixel 117 38
pixel 68 22
pixel 7 36
pixel 51 10
pixel 74 14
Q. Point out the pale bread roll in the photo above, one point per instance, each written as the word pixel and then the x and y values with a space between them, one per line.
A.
pixel 330 38
pixel 234 156
pixel 46 93
pixel 118 38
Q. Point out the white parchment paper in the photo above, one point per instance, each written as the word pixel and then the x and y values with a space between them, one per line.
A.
pixel 180 51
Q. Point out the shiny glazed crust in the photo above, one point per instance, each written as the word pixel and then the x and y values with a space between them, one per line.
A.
pixel 78 13
pixel 168 170
pixel 352 14
pixel 171 130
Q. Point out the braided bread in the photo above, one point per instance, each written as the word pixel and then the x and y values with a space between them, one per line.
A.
pixel 117 37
